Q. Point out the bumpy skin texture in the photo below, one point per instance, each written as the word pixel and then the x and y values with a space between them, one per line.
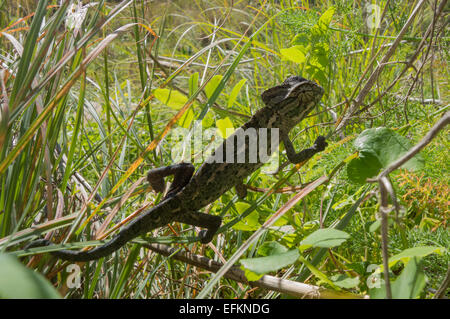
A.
pixel 286 105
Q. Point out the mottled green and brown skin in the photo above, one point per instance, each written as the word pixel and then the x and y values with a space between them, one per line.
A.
pixel 286 105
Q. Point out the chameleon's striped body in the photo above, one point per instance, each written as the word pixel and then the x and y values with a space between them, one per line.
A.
pixel 286 106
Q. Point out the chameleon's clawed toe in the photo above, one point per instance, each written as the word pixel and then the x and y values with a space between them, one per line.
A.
pixel 157 183
pixel 320 143
pixel 205 237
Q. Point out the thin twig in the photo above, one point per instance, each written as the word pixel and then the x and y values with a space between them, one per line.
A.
pixel 441 291
pixel 384 211
pixel 385 187
pixel 419 146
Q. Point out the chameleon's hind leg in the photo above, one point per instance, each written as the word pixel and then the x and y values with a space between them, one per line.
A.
pixel 295 158
pixel 182 175
pixel 210 222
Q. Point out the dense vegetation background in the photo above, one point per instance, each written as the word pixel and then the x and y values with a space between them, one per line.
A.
pixel 90 97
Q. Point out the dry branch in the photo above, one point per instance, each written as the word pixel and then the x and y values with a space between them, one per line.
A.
pixel 284 286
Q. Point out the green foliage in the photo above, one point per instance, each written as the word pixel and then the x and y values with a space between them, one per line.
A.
pixel 84 105
pixel 407 286
pixel 377 148
pixel 19 282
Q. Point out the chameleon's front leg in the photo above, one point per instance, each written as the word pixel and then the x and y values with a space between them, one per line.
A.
pixel 210 222
pixel 182 175
pixel 295 158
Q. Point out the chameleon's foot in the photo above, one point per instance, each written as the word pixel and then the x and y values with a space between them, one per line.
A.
pixel 204 238
pixel 307 153
pixel 210 222
pixel 206 235
pixel 320 144
pixel 182 175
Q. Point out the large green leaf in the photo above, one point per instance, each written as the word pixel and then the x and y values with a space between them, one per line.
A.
pixel 324 238
pixel 379 147
pixel 420 251
pixel 271 248
pixel 296 53
pixel 249 223
pixel 212 85
pixel 408 285
pixel 366 165
pixel 325 18
pixel 263 265
pixel 17 281
pixel 411 282
pixel 225 127
pixel 344 281
pixel 171 98
pixel 234 92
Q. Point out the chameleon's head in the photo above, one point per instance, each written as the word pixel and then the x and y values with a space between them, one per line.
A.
pixel 294 98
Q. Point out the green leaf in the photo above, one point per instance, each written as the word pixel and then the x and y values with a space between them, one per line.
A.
pixel 366 165
pixel 324 238
pixel 171 98
pixel 271 248
pixel 251 276
pixel 249 223
pixel 234 93
pixel 186 119
pixel 211 86
pixel 17 281
pixel 208 120
pixel 345 282
pixel 223 125
pixel 193 83
pixel 325 18
pixel 411 282
pixel 318 273
pixel 375 225
pixel 408 285
pixel 388 146
pixel 379 147
pixel 296 54
pixel 420 251
pixel 263 265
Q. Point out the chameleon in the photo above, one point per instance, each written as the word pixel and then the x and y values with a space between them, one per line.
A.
pixel 286 105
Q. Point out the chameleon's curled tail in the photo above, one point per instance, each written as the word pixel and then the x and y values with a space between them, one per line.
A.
pixel 143 224
pixel 73 255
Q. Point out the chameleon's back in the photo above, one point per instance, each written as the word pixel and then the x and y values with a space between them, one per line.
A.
pixel 236 158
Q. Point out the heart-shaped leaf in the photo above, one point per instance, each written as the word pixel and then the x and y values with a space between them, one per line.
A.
pixel 295 53
pixel 379 147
